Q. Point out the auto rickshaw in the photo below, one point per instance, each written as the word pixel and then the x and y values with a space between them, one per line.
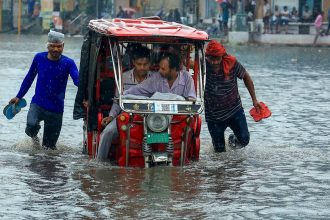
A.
pixel 152 132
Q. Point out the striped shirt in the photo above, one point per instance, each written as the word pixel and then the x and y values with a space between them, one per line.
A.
pixel 222 99
pixel 128 81
pixel 183 86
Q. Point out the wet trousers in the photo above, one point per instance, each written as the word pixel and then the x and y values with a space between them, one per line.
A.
pixel 52 125
pixel 237 123
pixel 108 134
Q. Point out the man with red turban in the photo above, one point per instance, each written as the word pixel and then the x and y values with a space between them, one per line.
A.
pixel 223 106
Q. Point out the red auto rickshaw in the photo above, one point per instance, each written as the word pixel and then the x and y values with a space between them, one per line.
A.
pixel 151 132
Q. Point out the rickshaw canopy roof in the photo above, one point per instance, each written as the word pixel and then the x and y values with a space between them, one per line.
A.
pixel 144 27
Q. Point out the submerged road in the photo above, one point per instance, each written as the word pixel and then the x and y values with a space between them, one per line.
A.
pixel 284 173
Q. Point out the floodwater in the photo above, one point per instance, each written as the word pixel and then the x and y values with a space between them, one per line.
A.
pixel 284 173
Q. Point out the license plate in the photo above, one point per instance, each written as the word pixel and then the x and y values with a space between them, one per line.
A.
pixel 172 108
pixel 159 157
pixel 153 138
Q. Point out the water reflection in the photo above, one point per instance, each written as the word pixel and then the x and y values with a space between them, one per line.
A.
pixel 52 176
pixel 163 191
pixel 225 176
pixel 135 193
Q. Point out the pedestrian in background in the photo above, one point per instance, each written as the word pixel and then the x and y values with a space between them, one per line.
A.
pixel 250 9
pixel 318 26
pixel 170 16
pixel 266 17
pixel 294 17
pixel 52 70
pixel 306 15
pixel 285 14
pixel 200 25
pixel 177 16
pixel 160 13
pixel 225 7
pixel 275 21
pixel 223 106
pixel 213 29
pixel 121 13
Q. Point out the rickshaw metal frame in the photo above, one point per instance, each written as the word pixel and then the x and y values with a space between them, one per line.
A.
pixel 108 39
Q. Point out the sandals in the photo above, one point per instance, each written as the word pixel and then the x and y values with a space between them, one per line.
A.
pixel 264 112
pixel 12 109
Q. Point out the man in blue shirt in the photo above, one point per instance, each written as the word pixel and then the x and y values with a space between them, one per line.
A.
pixel 225 6
pixel 52 70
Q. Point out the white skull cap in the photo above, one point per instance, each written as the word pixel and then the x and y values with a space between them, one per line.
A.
pixel 55 37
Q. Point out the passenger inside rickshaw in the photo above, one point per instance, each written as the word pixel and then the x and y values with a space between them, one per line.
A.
pixel 128 56
pixel 170 78
pixel 140 71
pixel 169 83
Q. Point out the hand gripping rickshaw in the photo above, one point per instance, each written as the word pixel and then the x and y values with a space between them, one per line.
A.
pixel 152 132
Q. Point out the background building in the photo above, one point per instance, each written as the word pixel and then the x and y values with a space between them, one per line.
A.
pixel 69 16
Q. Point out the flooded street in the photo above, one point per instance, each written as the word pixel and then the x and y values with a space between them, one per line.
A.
pixel 284 173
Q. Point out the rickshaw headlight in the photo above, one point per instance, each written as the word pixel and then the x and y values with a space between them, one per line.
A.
pixel 157 123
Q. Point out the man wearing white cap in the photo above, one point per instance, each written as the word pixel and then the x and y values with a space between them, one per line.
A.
pixel 52 70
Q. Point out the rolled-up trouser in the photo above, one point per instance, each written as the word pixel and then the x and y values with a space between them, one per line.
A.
pixel 108 134
pixel 52 125
pixel 239 126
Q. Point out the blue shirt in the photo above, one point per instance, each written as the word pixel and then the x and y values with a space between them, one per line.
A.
pixel 51 81
pixel 225 11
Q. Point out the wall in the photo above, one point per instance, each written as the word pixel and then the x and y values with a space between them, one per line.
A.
pixel 208 9
pixel 289 3
pixel 46 13
pixel 167 4
pixel 326 6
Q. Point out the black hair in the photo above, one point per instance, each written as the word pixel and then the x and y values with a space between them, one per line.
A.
pixel 173 60
pixel 141 52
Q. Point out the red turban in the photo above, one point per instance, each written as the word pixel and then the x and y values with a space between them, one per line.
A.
pixel 215 49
